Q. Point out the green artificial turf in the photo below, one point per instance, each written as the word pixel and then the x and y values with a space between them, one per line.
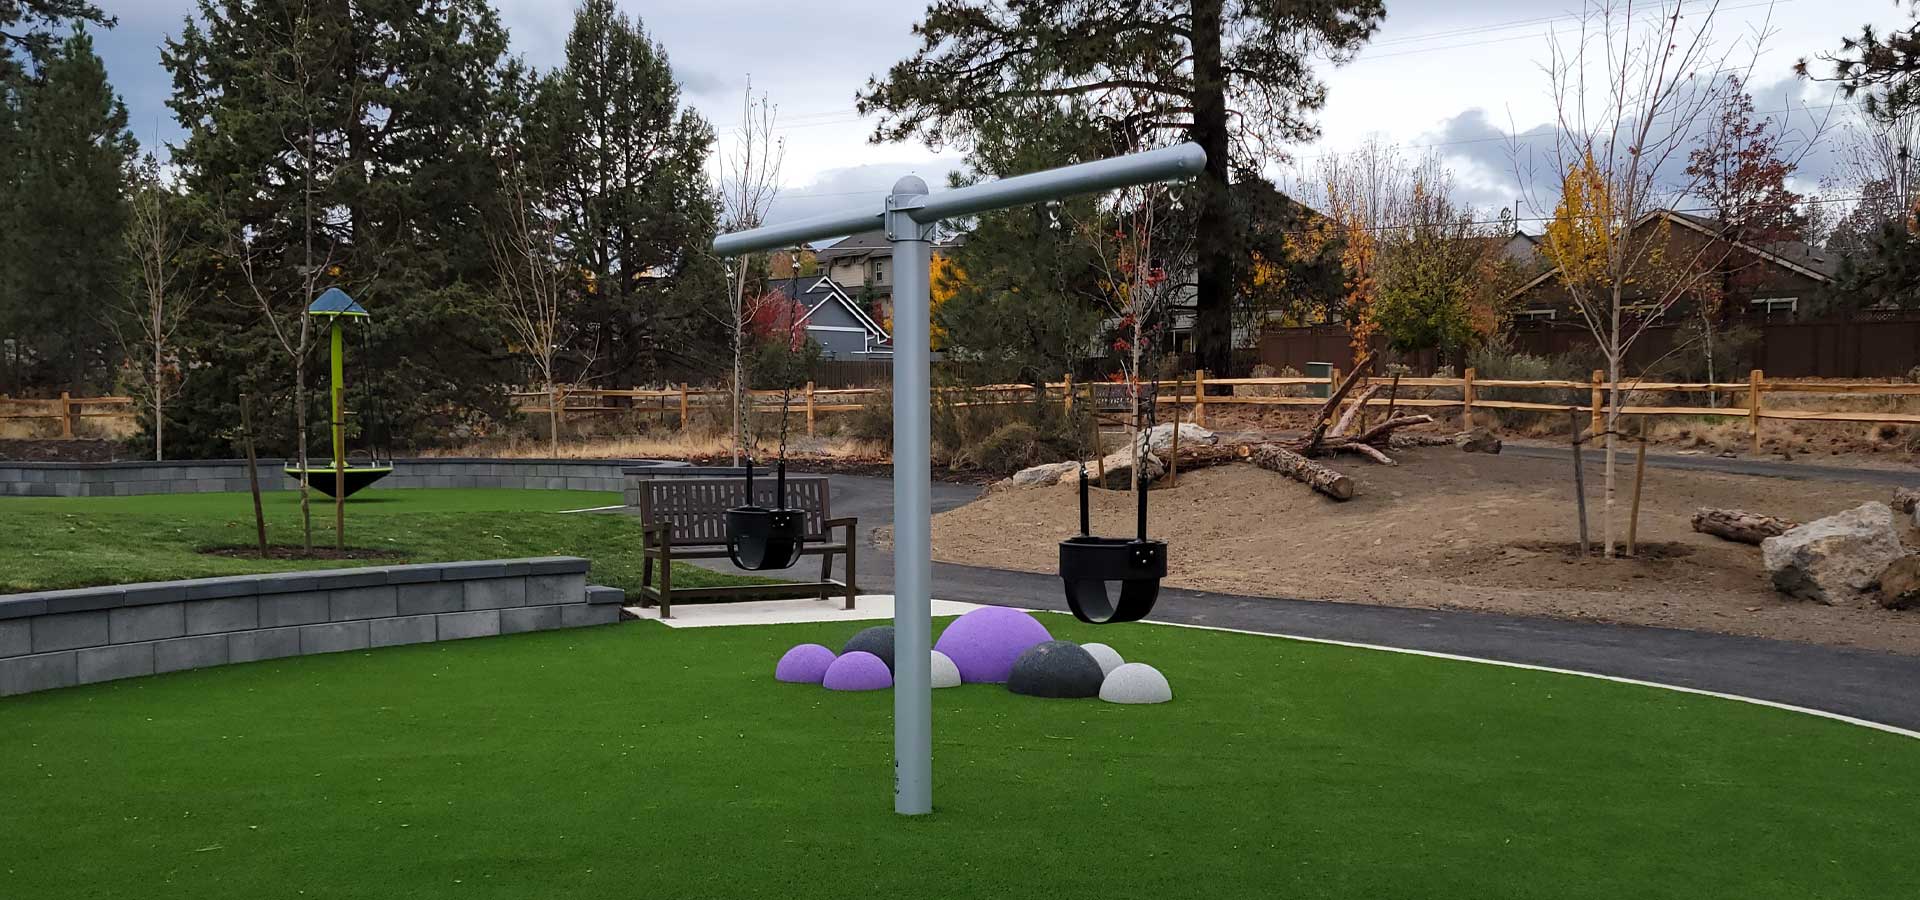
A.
pixel 79 542
pixel 635 761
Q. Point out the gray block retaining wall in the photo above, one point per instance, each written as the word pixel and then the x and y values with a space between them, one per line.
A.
pixel 56 639
pixel 121 479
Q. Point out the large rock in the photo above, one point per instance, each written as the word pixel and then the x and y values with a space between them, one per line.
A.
pixel 1159 438
pixel 1900 583
pixel 877 640
pixel 1056 669
pixel 1837 559
pixel 1038 476
pixel 1907 500
pixel 984 643
pixel 1136 683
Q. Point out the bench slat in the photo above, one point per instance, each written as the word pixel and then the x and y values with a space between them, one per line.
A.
pixel 697 507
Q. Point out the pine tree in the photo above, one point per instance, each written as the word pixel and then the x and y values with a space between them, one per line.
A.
pixel 62 211
pixel 1231 77
pixel 624 162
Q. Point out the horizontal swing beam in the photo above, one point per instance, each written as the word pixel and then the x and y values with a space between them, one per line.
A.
pixel 1165 164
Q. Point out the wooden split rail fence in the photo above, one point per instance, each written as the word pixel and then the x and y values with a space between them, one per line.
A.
pixel 1197 392
pixel 68 410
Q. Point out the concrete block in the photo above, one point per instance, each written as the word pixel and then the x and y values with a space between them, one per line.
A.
pixel 580 615
pixel 462 571
pixel 556 565
pixel 16 638
pixel 108 663
pixel 551 590
pixel 529 618
pixel 613 596
pixel 413 574
pixel 286 583
pixel 153 592
pixel 495 593
pixel 271 643
pixel 401 630
pixel 579 483
pixel 334 637
pixel 190 653
pixel 69 630
pixel 293 609
pixel 43 672
pixel 375 602
pixel 131 624
pixel 454 626
pixel 222 615
pixel 553 483
pixel 214 588
pixel 82 599
pixel 429 597
pixel 20 606
pixel 353 578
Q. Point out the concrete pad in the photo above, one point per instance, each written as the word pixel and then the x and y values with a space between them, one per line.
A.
pixel 867 607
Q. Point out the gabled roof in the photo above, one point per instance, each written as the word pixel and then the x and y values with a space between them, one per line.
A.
pixel 1781 254
pixel 816 291
pixel 860 244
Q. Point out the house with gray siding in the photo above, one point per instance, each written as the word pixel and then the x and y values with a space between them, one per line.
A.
pixel 834 320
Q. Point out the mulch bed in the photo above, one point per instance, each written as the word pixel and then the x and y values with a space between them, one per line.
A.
pixel 37 450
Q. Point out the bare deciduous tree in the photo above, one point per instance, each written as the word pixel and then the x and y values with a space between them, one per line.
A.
pixel 749 181
pixel 152 310
pixel 533 291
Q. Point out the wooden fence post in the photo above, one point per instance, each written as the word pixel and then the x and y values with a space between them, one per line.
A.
pixel 683 406
pixel 1067 379
pixel 1200 397
pixel 1755 386
pixel 66 414
pixel 809 409
pixel 1599 402
pixel 1466 399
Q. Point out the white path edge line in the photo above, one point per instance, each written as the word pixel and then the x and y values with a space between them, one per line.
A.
pixel 1617 679
pixel 595 508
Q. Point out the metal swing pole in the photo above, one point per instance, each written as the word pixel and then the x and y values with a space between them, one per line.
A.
pixel 908 217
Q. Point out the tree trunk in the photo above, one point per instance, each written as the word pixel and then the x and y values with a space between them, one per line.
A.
pixel 159 391
pixel 1213 227
pixel 553 419
pixel 300 428
pixel 1353 409
pixel 1739 525
pixel 1275 458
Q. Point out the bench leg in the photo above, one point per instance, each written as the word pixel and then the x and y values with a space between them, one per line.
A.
pixel 852 548
pixel 646 572
pixel 666 574
pixel 826 573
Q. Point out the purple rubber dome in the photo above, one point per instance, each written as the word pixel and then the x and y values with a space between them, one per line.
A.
pixel 804 664
pixel 858 671
pixel 984 643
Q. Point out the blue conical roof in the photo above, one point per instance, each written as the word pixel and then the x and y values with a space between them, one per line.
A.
pixel 335 302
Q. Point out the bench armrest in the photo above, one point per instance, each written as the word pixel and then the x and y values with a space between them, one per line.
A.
pixel 847 522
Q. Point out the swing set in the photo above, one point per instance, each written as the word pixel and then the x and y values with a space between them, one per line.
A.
pixel 1087 562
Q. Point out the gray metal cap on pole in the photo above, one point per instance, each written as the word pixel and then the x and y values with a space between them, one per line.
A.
pixel 908 216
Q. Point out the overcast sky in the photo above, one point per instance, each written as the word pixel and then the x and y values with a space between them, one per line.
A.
pixel 1458 73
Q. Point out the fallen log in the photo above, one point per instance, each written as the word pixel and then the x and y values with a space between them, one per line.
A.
pixel 1379 432
pixel 1275 458
pixel 1406 441
pixel 1325 416
pixel 1478 440
pixel 1367 450
pixel 1739 525
pixel 1353 409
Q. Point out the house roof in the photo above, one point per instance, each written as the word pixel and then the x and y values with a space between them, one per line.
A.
pixel 862 244
pixel 1792 255
pixel 815 291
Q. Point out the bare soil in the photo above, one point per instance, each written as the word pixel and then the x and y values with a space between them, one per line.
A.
pixel 1452 530
pixel 57 450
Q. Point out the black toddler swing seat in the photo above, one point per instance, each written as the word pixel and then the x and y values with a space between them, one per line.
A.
pixel 761 539
pixel 1088 562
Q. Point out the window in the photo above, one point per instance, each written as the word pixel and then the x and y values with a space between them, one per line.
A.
pixel 1776 307
pixel 879 272
pixel 1534 315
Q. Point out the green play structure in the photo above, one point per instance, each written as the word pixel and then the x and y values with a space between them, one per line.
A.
pixel 340 478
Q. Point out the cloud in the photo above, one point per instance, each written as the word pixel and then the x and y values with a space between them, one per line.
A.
pixel 853 187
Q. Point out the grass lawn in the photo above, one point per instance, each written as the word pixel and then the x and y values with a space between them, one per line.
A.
pixel 634 761
pixel 79 542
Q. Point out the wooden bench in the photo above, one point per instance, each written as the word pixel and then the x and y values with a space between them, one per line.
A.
pixel 686 518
